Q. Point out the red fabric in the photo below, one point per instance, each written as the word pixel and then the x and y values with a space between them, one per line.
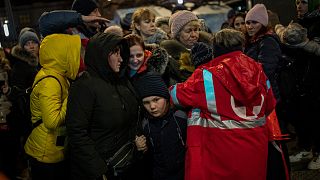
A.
pixel 219 153
pixel 84 43
pixel 143 67
pixel 274 128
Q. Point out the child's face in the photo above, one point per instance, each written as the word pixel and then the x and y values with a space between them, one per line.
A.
pixel 155 105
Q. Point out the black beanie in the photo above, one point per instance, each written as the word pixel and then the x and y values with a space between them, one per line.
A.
pixel 151 85
pixel 201 53
pixel 84 7
pixel 125 22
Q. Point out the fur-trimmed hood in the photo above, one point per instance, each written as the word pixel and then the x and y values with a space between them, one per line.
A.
pixel 158 61
pixel 295 36
pixel 23 55
pixel 156 38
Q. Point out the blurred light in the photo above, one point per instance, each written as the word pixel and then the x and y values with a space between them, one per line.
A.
pixel 0 45
pixel 189 4
pixel 6 21
pixel 6 30
pixel 180 1
pixel 109 0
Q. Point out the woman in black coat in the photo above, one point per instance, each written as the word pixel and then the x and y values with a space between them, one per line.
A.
pixel 102 111
pixel 263 46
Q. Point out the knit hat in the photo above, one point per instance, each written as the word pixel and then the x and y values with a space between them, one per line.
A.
pixel 201 53
pixel 151 85
pixel 125 22
pixel 259 14
pixel 179 19
pixel 84 7
pixel 28 36
pixel 23 30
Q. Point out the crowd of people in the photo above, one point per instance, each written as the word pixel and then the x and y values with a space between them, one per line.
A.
pixel 160 98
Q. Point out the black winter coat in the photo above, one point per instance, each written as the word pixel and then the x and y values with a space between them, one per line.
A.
pixel 166 139
pixel 304 71
pixel 266 50
pixel 102 111
pixel 24 67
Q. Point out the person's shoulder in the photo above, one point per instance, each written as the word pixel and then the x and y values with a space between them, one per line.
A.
pixel 180 114
pixel 270 39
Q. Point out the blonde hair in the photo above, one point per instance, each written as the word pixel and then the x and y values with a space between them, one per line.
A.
pixel 114 29
pixel 139 15
pixel 229 38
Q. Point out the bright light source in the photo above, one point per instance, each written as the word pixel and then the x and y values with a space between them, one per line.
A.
pixel 180 1
pixel 6 30
pixel 6 21
pixel 0 45
pixel 109 0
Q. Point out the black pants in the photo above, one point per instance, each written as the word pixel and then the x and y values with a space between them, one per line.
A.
pixel 48 171
pixel 306 123
pixel 276 170
pixel 8 154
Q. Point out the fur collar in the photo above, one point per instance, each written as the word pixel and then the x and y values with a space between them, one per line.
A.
pixel 309 46
pixel 24 55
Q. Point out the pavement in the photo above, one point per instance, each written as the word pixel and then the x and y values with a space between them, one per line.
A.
pixel 299 171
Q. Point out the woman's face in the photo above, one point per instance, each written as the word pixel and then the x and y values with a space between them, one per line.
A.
pixel 155 105
pixel 253 27
pixel 136 57
pixel 189 34
pixel 115 61
pixel 239 24
pixel 32 47
pixel 302 7
pixel 147 26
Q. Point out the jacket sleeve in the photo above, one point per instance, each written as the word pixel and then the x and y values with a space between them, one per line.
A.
pixel 189 93
pixel 52 107
pixel 58 21
pixel 269 53
pixel 79 111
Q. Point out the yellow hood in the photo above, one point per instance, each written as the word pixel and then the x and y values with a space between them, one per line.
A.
pixel 61 53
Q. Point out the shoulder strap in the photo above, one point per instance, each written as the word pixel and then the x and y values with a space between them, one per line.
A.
pixel 36 124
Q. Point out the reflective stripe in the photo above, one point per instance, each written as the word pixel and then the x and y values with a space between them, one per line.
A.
pixel 209 90
pixel 173 94
pixel 268 84
pixel 196 120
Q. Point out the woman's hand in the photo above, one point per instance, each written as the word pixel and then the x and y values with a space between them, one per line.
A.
pixel 141 143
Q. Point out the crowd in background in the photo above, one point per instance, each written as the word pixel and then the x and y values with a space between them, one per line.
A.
pixel 163 98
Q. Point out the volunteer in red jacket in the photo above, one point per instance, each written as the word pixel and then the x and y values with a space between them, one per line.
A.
pixel 229 97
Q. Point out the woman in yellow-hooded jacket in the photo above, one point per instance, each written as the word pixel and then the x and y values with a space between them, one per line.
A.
pixel 60 60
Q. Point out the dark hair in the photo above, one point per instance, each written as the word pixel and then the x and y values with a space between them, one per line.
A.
pixel 133 39
pixel 261 32
pixel 239 14
pixel 115 50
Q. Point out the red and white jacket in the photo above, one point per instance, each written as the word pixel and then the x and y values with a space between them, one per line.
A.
pixel 227 136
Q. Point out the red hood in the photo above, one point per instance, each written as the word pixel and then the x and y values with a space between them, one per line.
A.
pixel 239 74
pixel 143 67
